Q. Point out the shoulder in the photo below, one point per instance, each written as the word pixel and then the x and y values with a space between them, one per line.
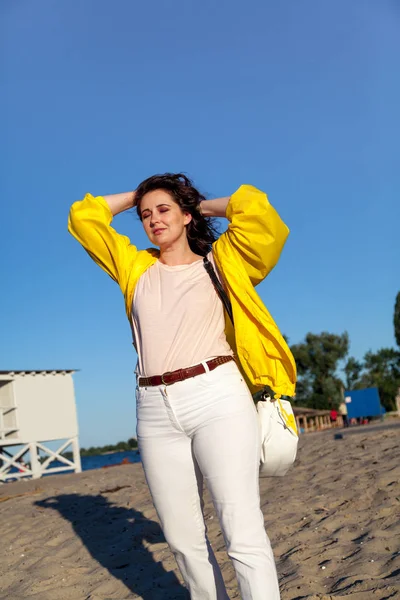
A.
pixel 144 260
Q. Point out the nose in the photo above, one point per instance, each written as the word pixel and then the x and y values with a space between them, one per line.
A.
pixel 153 220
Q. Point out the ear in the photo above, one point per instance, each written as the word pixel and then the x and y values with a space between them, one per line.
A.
pixel 187 217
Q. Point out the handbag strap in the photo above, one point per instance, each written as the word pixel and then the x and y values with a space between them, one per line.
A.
pixel 218 287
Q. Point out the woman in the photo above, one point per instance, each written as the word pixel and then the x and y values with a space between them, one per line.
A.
pixel 196 420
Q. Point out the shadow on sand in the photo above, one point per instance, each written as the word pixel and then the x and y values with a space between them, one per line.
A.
pixel 115 538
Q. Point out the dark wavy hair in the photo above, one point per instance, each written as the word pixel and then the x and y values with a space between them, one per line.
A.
pixel 201 231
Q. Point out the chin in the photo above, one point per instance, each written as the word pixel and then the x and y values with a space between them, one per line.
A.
pixel 157 242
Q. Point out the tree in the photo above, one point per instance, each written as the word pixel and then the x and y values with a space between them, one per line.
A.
pixel 396 323
pixel 317 360
pixel 382 370
pixel 122 446
pixel 396 320
pixel 352 370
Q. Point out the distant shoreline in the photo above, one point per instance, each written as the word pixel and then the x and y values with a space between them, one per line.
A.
pixel 109 452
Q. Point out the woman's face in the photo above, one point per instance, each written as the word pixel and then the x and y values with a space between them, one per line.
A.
pixel 163 219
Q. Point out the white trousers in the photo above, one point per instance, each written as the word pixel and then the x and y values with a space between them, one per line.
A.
pixel 206 428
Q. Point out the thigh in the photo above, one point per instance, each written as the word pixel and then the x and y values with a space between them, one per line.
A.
pixel 227 445
pixel 171 470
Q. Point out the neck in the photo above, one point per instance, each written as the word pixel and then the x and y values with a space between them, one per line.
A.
pixel 178 254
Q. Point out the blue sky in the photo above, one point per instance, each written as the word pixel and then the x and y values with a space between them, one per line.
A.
pixel 298 98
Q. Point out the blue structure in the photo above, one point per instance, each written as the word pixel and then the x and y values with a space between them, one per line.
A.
pixel 363 403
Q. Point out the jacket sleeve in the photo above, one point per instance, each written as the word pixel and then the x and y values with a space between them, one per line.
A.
pixel 89 222
pixel 255 232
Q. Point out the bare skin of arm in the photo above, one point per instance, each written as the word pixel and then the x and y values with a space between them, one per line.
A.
pixel 120 202
pixel 214 208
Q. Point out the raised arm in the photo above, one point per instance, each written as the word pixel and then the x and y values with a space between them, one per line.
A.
pixel 120 202
pixel 256 232
pixel 90 223
pixel 214 208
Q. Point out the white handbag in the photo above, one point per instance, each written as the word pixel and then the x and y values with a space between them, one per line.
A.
pixel 279 437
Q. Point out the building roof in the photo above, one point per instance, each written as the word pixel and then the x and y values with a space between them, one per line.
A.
pixel 39 372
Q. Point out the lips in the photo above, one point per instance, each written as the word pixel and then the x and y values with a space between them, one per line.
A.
pixel 158 231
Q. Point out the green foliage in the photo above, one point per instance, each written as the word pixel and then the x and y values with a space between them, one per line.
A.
pixel 122 446
pixel 131 444
pixel 396 319
pixel 317 360
pixel 352 370
pixel 379 369
pixel 382 370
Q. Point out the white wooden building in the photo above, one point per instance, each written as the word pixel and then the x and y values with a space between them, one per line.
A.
pixel 37 407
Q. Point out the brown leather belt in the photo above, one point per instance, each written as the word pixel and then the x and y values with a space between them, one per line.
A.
pixel 171 377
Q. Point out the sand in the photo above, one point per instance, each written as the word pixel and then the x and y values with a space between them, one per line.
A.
pixel 334 523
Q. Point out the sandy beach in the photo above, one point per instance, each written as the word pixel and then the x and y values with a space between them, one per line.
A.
pixel 334 523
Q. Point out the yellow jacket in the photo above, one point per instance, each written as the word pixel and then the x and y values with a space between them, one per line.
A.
pixel 244 255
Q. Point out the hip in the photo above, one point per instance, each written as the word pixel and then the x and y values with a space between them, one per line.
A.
pixel 213 394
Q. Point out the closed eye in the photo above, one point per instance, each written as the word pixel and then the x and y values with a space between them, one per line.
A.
pixel 162 208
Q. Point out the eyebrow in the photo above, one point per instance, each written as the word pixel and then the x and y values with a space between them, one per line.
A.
pixel 158 206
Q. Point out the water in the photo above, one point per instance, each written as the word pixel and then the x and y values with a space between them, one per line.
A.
pixel 102 460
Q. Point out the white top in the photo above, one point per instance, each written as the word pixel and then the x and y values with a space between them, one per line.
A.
pixel 177 318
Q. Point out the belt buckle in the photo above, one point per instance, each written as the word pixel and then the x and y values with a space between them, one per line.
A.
pixel 163 375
